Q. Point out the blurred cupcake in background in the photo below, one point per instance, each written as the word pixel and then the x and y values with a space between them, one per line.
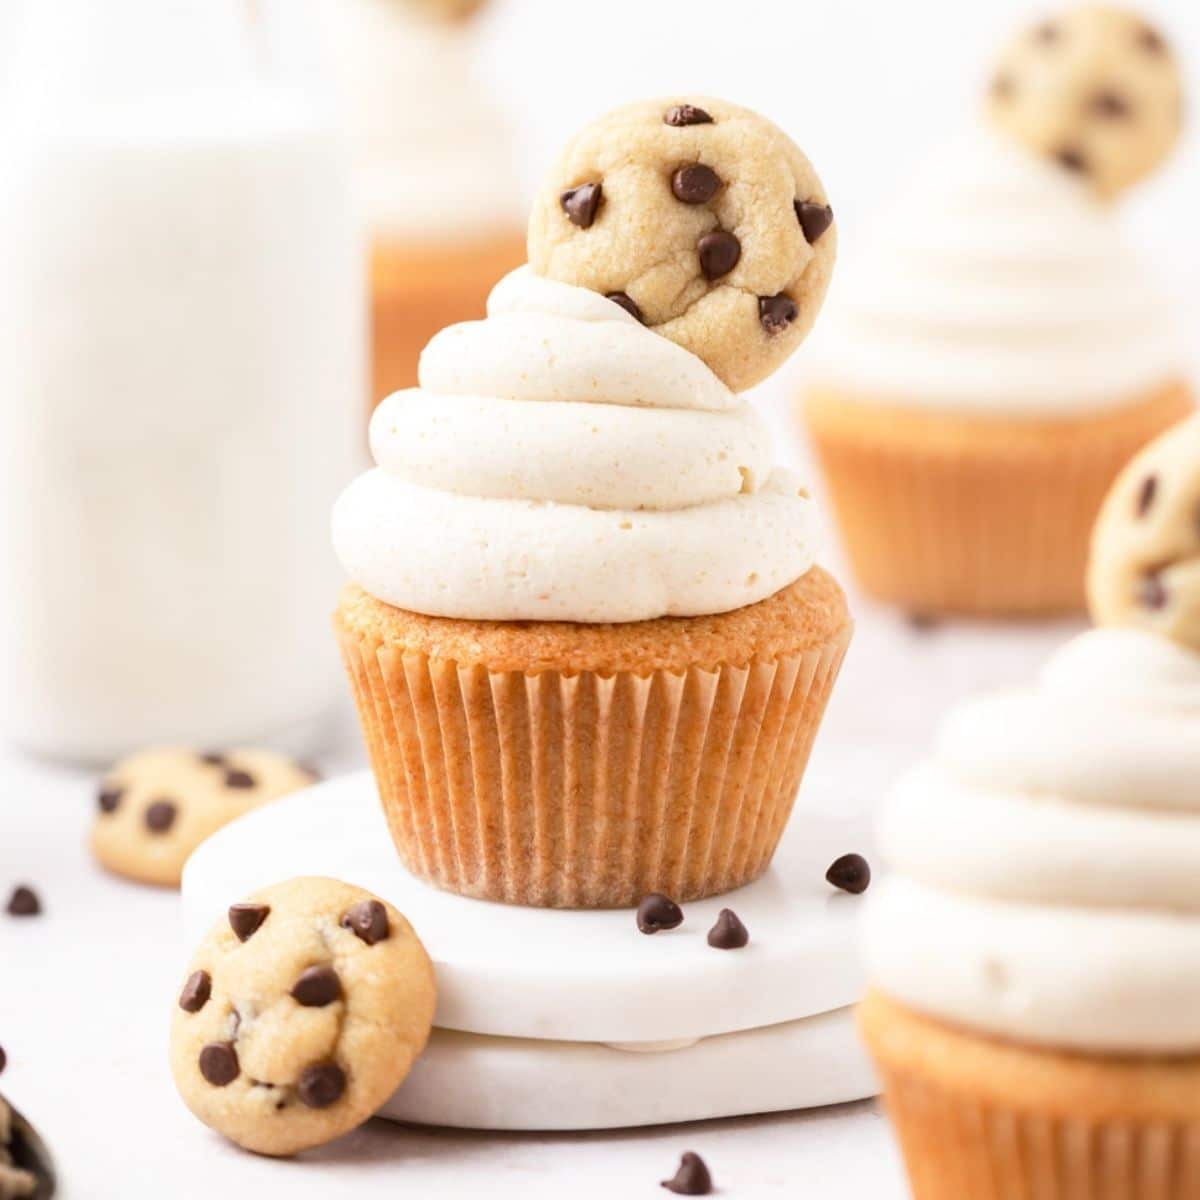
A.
pixel 1000 353
pixel 437 182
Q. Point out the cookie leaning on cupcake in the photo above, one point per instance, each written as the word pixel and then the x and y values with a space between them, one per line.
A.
pixel 588 642
pixel 1036 953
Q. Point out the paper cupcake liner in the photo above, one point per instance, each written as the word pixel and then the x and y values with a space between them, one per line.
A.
pixel 977 516
pixel 587 790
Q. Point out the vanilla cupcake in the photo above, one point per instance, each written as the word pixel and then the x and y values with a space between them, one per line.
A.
pixel 994 363
pixel 587 636
pixel 1035 952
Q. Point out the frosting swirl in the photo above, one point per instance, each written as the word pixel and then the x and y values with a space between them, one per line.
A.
pixel 562 462
pixel 1045 884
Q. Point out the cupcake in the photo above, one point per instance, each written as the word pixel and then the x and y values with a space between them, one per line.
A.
pixel 1035 955
pixel 426 135
pixel 996 362
pixel 587 638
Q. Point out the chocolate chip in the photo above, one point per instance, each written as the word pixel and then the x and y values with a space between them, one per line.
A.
pixel 1152 592
pixel 317 987
pixel 728 933
pixel 1072 159
pixel 196 992
pixel 580 203
pixel 1147 494
pixel 686 114
pixel 851 873
pixel 776 313
pixel 312 772
pixel 160 816
pixel 695 184
pixel 692 1178
pixel 1152 40
pixel 719 253
pixel 239 779
pixel 628 304
pixel 24 902
pixel 244 919
pixel 1109 104
pixel 657 912
pixel 322 1085
pixel 922 622
pixel 368 921
pixel 3 1060
pixel 814 219
pixel 1047 33
pixel 109 798
pixel 212 758
pixel 219 1063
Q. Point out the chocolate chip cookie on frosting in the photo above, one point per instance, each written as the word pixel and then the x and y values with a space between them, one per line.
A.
pixel 587 635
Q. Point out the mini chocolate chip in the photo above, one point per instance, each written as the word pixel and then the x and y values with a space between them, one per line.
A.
pixel 1152 40
pixel 851 873
pixel 219 1063
pixel 1152 592
pixel 695 184
pixel 368 921
pixel 776 313
pixel 160 816
pixel 657 912
pixel 212 758
pixel 922 622
pixel 814 219
pixel 1072 159
pixel 728 933
pixel 239 779
pixel 24 902
pixel 317 987
pixel 1147 494
pixel 322 1085
pixel 1109 104
pixel 196 992
pixel 1047 33
pixel 312 772
pixel 580 203
pixel 719 253
pixel 244 919
pixel 686 114
pixel 627 303
pixel 109 798
pixel 1004 87
pixel 3 1060
pixel 692 1178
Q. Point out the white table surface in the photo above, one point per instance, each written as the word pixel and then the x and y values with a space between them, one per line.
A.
pixel 86 993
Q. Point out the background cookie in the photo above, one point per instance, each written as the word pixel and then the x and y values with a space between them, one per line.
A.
pixel 300 1015
pixel 155 807
pixel 446 10
pixel 701 218
pixel 1145 566
pixel 1096 89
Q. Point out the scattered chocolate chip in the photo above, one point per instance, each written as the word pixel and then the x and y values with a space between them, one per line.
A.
pixel 1152 592
pixel 3 1060
pixel 1072 159
pixel 695 184
pixel 219 1063
pixel 851 873
pixel 24 902
pixel 160 816
pixel 1004 87
pixel 368 921
pixel 1047 33
pixel 728 933
pixel 26 1151
pixel 1152 40
pixel 628 304
pixel 686 114
pixel 657 912
pixel 108 799
pixel 312 772
pixel 212 758
pixel 922 622
pixel 719 253
pixel 196 992
pixel 239 779
pixel 322 1085
pixel 244 919
pixel 580 203
pixel 692 1178
pixel 1109 104
pixel 776 313
pixel 1147 494
pixel 317 987
pixel 814 219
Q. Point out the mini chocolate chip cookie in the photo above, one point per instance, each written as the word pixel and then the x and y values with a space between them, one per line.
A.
pixel 155 807
pixel 301 1013
pixel 1095 89
pixel 701 219
pixel 1145 565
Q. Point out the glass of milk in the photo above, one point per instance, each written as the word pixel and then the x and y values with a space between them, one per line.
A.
pixel 182 362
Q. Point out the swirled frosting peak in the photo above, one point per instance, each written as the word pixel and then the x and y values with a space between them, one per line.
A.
pixel 562 462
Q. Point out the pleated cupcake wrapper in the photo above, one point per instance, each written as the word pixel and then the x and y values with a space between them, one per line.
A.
pixel 587 790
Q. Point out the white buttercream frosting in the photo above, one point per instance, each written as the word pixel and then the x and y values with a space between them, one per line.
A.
pixel 562 462
pixel 996 283
pixel 1044 877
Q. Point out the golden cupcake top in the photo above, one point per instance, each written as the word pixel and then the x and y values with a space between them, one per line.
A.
pixel 1096 89
pixel 1145 566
